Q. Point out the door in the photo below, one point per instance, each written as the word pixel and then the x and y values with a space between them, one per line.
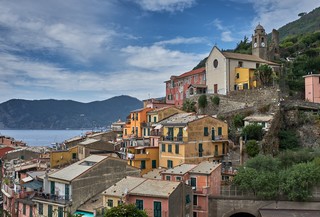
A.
pixel 215 88
pixel 67 192
pixel 157 209
pixel 212 134
pixel 52 188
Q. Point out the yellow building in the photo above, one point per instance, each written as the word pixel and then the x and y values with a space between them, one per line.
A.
pixel 61 158
pixel 191 139
pixel 116 194
pixel 153 117
pixel 245 79
pixel 133 127
pixel 145 158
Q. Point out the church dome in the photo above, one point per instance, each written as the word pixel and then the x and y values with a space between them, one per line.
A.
pixel 259 27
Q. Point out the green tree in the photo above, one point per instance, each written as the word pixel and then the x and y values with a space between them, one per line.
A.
pixel 125 210
pixel 202 101
pixel 238 120
pixel 264 74
pixel 215 100
pixel 299 180
pixel 189 106
pixel 252 148
pixel 264 163
pixel 252 131
pixel 288 139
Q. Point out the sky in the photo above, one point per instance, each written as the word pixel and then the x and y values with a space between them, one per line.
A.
pixel 92 50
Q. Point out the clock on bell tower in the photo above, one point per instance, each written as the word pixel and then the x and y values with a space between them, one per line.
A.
pixel 259 43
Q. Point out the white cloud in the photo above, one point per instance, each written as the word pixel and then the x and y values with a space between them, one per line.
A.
pixel 226 36
pixel 217 23
pixel 273 14
pixel 182 40
pixel 165 5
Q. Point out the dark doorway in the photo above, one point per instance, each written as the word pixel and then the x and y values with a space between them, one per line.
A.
pixel 242 214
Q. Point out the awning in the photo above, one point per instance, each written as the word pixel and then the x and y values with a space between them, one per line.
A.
pixel 35 184
pixel 158 127
pixel 27 179
pixel 289 213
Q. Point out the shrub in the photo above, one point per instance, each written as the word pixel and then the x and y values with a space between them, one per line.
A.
pixel 252 148
pixel 252 131
pixel 202 101
pixel 215 100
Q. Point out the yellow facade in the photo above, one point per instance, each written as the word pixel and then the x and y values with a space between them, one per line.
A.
pixel 245 79
pixel 157 115
pixel 60 158
pixel 145 158
pixel 106 201
pixel 133 127
pixel 203 139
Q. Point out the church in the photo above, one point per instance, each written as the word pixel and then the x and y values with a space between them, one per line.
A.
pixel 227 71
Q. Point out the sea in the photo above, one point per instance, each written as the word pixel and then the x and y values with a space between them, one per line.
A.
pixel 42 137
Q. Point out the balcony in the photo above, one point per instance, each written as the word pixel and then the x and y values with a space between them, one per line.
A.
pixel 52 198
pixel 201 190
pixel 7 191
pixel 219 138
pixel 175 139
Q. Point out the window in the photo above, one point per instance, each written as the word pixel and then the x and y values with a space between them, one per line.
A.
pixel 144 131
pixel 139 204
pixel 125 132
pixel 163 147
pixel 132 130
pixel 215 63
pixel 238 76
pixel 188 199
pixel 245 86
pixel 169 164
pixel 193 182
pixel 180 134
pixel 60 212
pixel 240 64
pixel 219 131
pixel 137 130
pixel 257 65
pixel 170 148
pixel 205 131
pixel 49 210
pixel 168 178
pixel 149 117
pixel 52 188
pixel 24 209
pixel 195 200
pixel 223 148
pixel 119 202
pixel 110 203
pixel 40 208
pixel 216 150
pixel 154 119
pixel 143 164
pixel 67 191
pixel 74 155
pixel 156 209
pixel 200 149
pixel 178 178
pixel 137 116
pixel 177 149
pixel 154 164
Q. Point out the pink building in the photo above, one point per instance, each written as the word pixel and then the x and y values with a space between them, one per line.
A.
pixel 162 198
pixel 178 173
pixel 312 88
pixel 205 180
pixel 178 86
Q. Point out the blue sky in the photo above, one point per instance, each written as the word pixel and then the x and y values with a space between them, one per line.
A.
pixel 89 50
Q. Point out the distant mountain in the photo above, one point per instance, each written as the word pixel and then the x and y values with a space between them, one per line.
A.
pixel 62 114
pixel 307 23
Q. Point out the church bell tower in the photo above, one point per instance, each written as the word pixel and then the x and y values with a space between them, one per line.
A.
pixel 259 43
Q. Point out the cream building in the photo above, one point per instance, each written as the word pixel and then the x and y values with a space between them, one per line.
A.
pixel 222 67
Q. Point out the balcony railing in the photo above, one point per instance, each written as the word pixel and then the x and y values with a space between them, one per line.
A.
pixel 175 139
pixel 9 192
pixel 63 199
pixel 201 190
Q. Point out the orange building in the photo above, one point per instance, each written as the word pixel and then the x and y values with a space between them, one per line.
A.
pixel 133 127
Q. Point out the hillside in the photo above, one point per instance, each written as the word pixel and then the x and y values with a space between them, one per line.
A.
pixel 308 23
pixel 62 114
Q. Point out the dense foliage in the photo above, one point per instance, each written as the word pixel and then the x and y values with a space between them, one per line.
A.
pixel 202 101
pixel 244 46
pixel 252 132
pixel 288 139
pixel 252 148
pixel 189 106
pixel 271 178
pixel 125 210
pixel 215 100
